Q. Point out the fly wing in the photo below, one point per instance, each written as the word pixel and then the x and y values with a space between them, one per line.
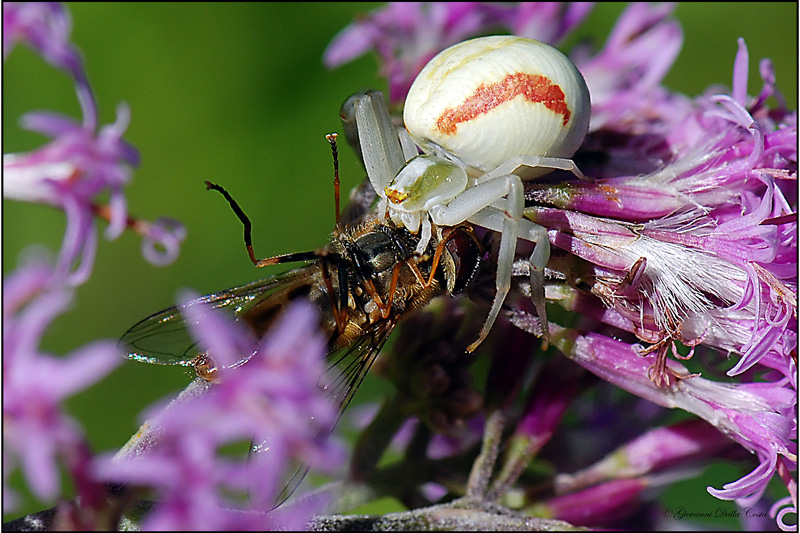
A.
pixel 164 339
pixel 346 369
pixel 348 365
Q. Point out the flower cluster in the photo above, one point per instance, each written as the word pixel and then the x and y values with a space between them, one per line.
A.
pixel 37 432
pixel 80 163
pixel 686 239
pixel 407 36
pixel 676 260
pixel 274 400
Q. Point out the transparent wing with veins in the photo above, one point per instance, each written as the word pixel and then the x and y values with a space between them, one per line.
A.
pixel 348 366
pixel 164 338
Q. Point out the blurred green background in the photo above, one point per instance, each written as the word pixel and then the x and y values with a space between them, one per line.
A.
pixel 237 94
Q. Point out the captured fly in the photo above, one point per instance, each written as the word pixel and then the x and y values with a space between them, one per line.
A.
pixel 362 282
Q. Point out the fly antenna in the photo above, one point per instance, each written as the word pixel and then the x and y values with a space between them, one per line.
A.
pixel 248 241
pixel 335 151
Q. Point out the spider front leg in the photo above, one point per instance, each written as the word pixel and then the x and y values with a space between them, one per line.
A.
pixel 475 205
pixel 510 227
pixel 383 151
pixel 546 164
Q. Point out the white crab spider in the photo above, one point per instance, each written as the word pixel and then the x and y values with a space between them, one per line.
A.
pixel 487 112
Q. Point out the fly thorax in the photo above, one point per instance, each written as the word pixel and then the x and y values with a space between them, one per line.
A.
pixel 425 181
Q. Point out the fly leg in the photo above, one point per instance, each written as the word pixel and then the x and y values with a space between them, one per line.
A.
pixel 448 234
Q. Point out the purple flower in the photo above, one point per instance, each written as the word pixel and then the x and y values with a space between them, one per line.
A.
pixel 713 262
pixel 599 504
pixel 407 35
pixel 759 416
pixel 79 164
pixel 37 433
pixel 46 27
pixel 783 507
pixel 624 77
pixel 268 392
pixel 69 173
pixel 683 245
pixel 714 211
pixel 656 450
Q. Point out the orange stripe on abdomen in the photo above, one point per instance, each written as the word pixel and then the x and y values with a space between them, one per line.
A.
pixel 534 87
